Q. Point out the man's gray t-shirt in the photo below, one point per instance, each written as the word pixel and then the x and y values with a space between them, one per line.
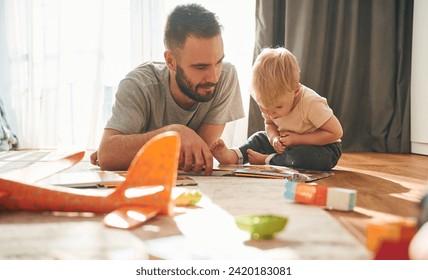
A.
pixel 144 102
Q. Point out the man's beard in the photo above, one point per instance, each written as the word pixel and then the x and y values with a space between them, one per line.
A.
pixel 191 91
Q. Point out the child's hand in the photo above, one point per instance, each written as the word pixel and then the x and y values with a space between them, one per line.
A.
pixel 289 139
pixel 277 145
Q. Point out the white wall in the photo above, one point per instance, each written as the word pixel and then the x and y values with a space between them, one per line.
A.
pixel 419 79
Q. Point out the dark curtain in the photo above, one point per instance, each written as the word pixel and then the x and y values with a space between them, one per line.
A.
pixel 357 54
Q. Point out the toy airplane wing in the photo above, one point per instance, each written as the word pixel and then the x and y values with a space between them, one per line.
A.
pixel 145 193
pixel 41 170
pixel 38 171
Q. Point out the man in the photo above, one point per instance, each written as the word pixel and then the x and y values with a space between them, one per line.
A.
pixel 193 93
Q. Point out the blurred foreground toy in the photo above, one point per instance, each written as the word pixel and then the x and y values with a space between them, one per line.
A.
pixel 400 240
pixel 311 193
pixel 145 193
pixel 261 226
pixel 188 197
pixel 418 247
pixel 390 240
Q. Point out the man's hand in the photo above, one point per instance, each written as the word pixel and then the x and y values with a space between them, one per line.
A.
pixel 94 158
pixel 195 154
pixel 117 150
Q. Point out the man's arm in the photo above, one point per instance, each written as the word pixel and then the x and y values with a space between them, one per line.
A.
pixel 118 150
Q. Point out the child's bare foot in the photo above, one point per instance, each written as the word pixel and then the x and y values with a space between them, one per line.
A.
pixel 223 154
pixel 256 157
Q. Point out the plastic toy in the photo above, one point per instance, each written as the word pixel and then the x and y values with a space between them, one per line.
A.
pixel 377 232
pixel 311 193
pixel 145 193
pixel 390 240
pixel 261 226
pixel 190 197
pixel 418 248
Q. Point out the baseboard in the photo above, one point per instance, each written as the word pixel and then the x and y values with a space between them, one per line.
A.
pixel 419 148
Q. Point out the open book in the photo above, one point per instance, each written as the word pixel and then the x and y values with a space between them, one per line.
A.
pixel 99 179
pixel 268 171
pixel 108 179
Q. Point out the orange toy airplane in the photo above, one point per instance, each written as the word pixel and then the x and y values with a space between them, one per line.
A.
pixel 145 193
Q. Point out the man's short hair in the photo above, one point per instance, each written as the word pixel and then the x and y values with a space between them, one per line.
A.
pixel 189 20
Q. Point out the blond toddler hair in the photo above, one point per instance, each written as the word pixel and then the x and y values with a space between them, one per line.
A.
pixel 276 72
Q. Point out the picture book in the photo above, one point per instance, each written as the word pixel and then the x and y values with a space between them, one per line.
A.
pixel 267 171
pixel 84 179
pixel 99 179
pixel 281 172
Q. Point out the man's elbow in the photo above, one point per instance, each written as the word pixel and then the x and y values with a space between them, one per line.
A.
pixel 104 163
pixel 107 162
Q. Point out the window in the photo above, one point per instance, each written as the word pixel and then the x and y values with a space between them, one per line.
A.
pixel 67 58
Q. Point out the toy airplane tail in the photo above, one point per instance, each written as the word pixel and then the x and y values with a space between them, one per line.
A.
pixel 149 182
pixel 153 171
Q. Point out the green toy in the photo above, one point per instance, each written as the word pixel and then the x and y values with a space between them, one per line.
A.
pixel 261 226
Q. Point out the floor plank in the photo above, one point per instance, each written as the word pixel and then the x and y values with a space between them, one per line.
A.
pixel 389 187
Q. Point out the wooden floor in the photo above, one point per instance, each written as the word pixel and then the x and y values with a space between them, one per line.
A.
pixel 389 187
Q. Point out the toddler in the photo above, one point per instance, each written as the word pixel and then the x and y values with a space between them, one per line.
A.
pixel 301 130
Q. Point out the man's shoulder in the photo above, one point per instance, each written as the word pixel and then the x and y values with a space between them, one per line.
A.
pixel 149 69
pixel 147 77
pixel 228 72
pixel 228 67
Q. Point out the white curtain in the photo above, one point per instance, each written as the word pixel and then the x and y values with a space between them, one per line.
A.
pixel 66 58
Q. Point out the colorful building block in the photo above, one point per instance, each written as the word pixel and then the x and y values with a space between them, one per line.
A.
pixel 393 250
pixel 341 199
pixel 306 193
pixel 396 231
pixel 311 193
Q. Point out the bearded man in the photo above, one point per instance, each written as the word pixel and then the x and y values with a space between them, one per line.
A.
pixel 193 93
